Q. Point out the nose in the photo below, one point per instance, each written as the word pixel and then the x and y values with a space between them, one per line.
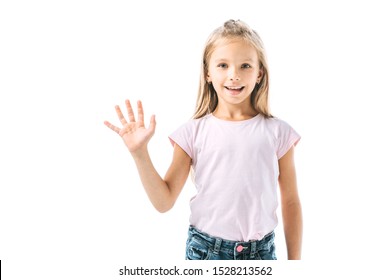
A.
pixel 233 74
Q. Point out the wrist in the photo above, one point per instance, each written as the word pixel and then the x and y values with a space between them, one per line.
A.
pixel 139 154
pixel 294 257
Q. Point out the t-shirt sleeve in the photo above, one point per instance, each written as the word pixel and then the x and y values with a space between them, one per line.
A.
pixel 286 138
pixel 183 137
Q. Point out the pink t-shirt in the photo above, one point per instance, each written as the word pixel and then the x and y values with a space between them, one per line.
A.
pixel 235 171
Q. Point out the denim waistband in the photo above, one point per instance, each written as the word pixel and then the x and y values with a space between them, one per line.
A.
pixel 219 244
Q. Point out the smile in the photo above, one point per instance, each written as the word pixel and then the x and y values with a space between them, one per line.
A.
pixel 234 90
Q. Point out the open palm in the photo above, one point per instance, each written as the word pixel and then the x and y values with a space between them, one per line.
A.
pixel 134 133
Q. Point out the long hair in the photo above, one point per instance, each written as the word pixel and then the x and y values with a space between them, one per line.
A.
pixel 207 99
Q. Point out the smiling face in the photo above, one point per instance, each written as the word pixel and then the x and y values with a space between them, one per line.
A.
pixel 234 70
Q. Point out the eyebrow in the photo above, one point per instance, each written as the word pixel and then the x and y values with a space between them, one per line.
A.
pixel 244 60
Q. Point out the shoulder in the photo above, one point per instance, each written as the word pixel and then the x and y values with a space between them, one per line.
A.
pixel 275 121
pixel 279 128
pixel 203 119
pixel 274 124
pixel 193 125
pixel 196 123
pixel 285 135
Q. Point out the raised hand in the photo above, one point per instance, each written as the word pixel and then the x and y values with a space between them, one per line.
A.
pixel 134 133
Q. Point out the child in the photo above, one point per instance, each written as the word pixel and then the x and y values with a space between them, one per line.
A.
pixel 237 151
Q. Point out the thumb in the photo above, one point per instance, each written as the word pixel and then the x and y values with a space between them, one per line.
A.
pixel 152 125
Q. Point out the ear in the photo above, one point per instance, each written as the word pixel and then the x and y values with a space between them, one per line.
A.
pixel 261 73
pixel 208 79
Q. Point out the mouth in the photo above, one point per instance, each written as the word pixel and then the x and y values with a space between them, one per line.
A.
pixel 234 90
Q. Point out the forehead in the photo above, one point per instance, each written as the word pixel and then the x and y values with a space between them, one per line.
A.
pixel 233 49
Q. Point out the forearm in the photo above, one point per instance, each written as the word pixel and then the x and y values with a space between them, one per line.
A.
pixel 293 228
pixel 156 188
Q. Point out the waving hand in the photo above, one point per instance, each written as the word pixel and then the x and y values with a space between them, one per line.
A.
pixel 133 132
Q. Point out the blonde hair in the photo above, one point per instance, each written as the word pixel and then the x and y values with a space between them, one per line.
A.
pixel 207 99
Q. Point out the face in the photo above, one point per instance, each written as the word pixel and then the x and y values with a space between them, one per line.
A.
pixel 234 71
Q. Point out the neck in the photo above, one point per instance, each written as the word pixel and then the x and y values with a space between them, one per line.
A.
pixel 234 114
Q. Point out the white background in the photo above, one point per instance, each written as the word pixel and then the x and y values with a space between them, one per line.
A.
pixel 71 203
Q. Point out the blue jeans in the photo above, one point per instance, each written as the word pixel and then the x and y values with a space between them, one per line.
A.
pixel 201 246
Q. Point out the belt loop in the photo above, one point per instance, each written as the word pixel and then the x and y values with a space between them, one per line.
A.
pixel 253 249
pixel 217 246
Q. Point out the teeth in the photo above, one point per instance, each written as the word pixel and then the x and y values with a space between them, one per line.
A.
pixel 234 87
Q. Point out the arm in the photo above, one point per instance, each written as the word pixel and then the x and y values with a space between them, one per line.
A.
pixel 291 206
pixel 161 192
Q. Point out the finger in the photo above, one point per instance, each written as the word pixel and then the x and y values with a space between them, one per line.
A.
pixel 152 125
pixel 140 114
pixel 120 115
pixel 130 111
pixel 112 127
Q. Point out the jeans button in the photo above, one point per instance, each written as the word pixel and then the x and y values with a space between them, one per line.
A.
pixel 239 248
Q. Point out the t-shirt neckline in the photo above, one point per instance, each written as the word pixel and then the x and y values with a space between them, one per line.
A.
pixel 234 122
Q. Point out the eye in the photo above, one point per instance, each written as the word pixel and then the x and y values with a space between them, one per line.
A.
pixel 245 65
pixel 222 65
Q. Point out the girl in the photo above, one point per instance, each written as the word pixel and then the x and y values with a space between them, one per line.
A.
pixel 238 153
